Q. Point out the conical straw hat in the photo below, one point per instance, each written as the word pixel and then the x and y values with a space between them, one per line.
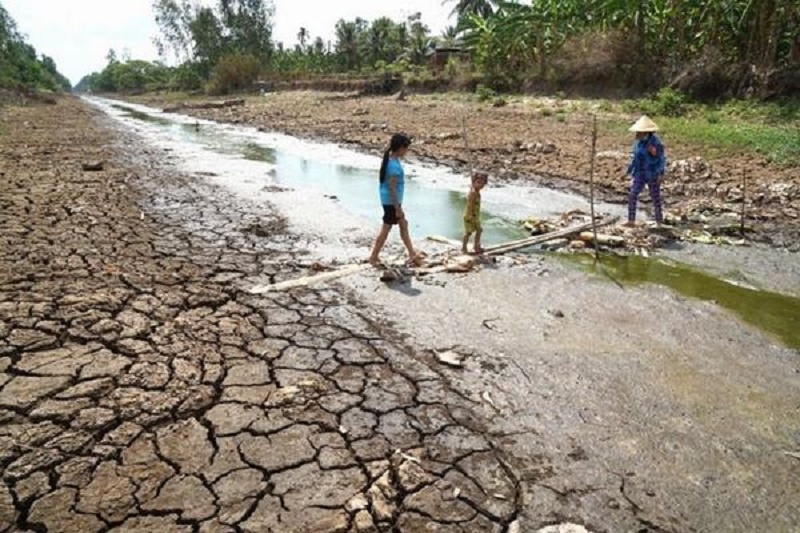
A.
pixel 644 125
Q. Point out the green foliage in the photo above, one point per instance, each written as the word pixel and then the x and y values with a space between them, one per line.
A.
pixel 235 72
pixel 485 93
pixel 521 39
pixel 667 103
pixel 201 34
pixel 128 77
pixel 778 144
pixel 360 45
pixel 604 106
pixel 738 125
pixel 20 66
pixel 187 77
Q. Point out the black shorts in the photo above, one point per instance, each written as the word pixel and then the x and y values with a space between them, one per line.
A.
pixel 390 215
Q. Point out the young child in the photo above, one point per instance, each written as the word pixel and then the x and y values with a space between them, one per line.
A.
pixel 391 188
pixel 472 213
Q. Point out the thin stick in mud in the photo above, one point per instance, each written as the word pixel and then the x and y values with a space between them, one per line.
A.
pixel 742 228
pixel 591 188
pixel 466 147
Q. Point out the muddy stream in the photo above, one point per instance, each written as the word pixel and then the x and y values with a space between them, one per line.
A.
pixel 330 192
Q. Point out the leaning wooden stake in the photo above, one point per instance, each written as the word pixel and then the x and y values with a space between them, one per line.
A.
pixel 591 188
pixel 470 162
pixel 744 201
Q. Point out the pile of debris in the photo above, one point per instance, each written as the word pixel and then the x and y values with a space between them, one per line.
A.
pixel 640 239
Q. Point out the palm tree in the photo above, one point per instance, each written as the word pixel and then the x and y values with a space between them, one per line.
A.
pixel 420 42
pixel 302 36
pixel 480 8
pixel 449 37
pixel 347 43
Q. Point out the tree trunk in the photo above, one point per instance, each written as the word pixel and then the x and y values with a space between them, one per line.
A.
pixel 642 63
pixel 540 51
pixel 769 34
pixel 793 17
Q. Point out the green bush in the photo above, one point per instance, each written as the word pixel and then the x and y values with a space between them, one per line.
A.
pixel 666 103
pixel 485 93
pixel 186 77
pixel 713 117
pixel 605 106
pixel 234 72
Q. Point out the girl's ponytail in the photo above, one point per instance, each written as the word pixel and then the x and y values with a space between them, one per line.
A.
pixel 399 140
pixel 385 164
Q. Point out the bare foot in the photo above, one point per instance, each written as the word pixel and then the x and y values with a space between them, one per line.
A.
pixel 375 261
pixel 465 251
pixel 415 260
pixel 479 250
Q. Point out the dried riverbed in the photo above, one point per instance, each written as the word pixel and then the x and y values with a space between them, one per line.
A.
pixel 143 388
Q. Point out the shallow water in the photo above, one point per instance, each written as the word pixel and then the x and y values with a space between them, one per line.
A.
pixel 769 311
pixel 335 192
pixel 434 207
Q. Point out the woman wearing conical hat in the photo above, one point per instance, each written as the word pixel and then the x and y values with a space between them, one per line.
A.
pixel 647 167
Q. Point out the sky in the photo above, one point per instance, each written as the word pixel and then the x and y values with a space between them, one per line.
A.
pixel 79 33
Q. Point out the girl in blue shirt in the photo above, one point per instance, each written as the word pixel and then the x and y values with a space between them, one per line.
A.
pixel 647 167
pixel 392 189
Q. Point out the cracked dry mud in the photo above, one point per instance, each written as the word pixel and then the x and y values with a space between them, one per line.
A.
pixel 143 390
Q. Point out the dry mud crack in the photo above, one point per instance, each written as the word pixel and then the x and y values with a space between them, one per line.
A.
pixel 143 390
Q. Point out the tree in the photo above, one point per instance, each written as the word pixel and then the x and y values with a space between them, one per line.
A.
pixel 319 46
pixel 420 41
pixel 20 66
pixel 174 21
pixel 479 8
pixel 192 32
pixel 302 37
pixel 347 38
pixel 449 37
pixel 248 26
pixel 208 43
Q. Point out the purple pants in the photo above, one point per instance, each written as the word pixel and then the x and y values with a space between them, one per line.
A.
pixel 637 186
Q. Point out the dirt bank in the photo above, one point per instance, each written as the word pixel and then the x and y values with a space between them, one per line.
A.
pixel 531 140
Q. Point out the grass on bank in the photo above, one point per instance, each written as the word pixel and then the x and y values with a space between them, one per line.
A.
pixel 771 129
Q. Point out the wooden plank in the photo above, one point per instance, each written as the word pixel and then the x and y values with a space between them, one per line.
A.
pixel 444 240
pixel 540 239
pixel 308 281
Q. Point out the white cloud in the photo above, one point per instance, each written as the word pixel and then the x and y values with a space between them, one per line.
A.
pixel 79 33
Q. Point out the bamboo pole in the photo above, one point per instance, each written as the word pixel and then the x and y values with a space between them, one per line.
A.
pixel 591 188
pixel 308 281
pixel 540 239
pixel 470 162
pixel 744 202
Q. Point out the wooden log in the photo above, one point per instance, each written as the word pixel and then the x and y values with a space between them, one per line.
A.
pixel 308 281
pixel 444 240
pixel 513 246
pixel 603 240
pixel 206 105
